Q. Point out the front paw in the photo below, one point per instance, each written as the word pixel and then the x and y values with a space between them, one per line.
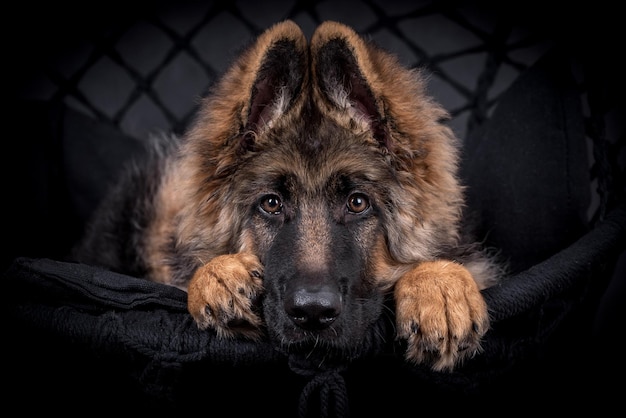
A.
pixel 221 295
pixel 441 314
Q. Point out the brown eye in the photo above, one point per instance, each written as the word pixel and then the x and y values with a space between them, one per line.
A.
pixel 271 204
pixel 357 203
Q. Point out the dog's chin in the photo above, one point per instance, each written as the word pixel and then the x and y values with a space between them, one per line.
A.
pixel 327 348
pixel 319 354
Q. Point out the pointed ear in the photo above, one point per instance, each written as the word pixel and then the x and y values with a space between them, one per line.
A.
pixel 356 77
pixel 342 76
pixel 262 84
pixel 279 76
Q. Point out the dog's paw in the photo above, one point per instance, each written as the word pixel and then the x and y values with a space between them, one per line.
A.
pixel 221 295
pixel 441 313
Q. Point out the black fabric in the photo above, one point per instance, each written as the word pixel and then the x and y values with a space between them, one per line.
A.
pixel 31 175
pixel 93 154
pixel 62 163
pixel 527 171
pixel 78 338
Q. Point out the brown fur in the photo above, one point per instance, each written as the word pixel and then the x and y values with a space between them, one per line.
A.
pixel 332 138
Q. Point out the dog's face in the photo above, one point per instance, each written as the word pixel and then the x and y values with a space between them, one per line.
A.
pixel 329 163
pixel 315 200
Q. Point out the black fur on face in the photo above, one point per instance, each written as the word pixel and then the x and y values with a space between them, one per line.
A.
pixel 327 307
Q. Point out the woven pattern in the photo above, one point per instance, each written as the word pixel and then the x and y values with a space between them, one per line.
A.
pixel 144 72
pixel 147 73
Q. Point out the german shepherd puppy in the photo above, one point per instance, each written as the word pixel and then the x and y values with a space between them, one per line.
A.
pixel 317 178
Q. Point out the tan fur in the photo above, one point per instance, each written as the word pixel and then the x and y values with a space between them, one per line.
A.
pixel 230 282
pixel 313 243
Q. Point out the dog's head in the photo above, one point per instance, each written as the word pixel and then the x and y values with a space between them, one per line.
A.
pixel 328 161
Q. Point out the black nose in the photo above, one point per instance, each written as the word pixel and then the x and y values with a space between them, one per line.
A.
pixel 313 309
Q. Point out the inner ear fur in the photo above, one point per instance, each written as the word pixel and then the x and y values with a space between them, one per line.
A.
pixel 279 77
pixel 342 77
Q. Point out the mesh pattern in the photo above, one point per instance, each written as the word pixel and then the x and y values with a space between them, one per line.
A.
pixel 147 72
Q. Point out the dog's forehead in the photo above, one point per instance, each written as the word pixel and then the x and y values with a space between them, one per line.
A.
pixel 313 155
pixel 317 161
pixel 327 150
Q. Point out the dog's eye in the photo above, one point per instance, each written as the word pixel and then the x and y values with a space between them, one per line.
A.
pixel 271 204
pixel 358 203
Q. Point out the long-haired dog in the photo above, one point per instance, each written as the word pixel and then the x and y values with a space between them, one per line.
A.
pixel 317 179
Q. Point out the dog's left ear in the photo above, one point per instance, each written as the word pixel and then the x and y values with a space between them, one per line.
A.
pixel 341 75
pixel 352 76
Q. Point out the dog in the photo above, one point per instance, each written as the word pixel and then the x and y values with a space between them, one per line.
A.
pixel 317 181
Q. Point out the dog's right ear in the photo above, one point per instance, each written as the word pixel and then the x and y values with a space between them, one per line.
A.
pixel 279 77
pixel 263 84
